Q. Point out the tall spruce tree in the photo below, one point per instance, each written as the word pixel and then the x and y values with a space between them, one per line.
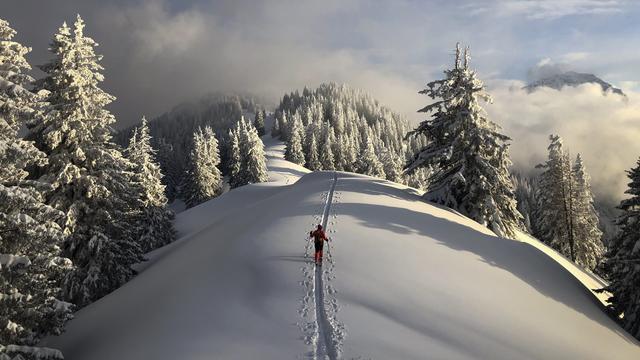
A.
pixel 554 194
pixel 313 163
pixel 525 192
pixel 253 167
pixel 588 237
pixel 235 159
pixel 167 160
pixel 350 154
pixel 368 162
pixel 293 151
pixel 156 217
pixel 468 153
pixel 258 122
pixel 275 128
pixel 203 179
pixel 91 180
pixel 327 160
pixel 31 267
pixel 392 166
pixel 622 262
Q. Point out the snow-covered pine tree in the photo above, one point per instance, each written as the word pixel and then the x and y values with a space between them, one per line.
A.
pixel 312 130
pixel 258 122
pixel 622 260
pixel 555 208
pixel 203 180
pixel 235 159
pixel 91 179
pixel 325 154
pixel 313 163
pixel 156 217
pixel 525 193
pixel 418 179
pixel 16 106
pixel 469 154
pixel 338 120
pixel 392 166
pixel 588 237
pixel 283 126
pixel 350 154
pixel 339 153
pixel 275 128
pixel 293 151
pixel 368 162
pixel 167 161
pixel 254 163
pixel 31 268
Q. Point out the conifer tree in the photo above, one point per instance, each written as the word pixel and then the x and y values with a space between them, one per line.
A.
pixel 468 153
pixel 588 237
pixel 91 180
pixel 339 153
pixel 253 160
pixel 275 128
pixel 203 179
pixel 235 159
pixel 350 154
pixel 418 179
pixel 525 192
pixel 368 162
pixel 284 127
pixel 258 122
pixel 623 259
pixel 313 163
pixel 156 216
pixel 311 132
pixel 31 267
pixel 167 161
pixel 392 166
pixel 293 151
pixel 338 120
pixel 555 218
pixel 327 161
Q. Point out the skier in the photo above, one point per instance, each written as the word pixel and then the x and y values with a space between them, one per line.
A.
pixel 319 237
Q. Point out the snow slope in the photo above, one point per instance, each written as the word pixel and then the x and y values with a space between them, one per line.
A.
pixel 403 280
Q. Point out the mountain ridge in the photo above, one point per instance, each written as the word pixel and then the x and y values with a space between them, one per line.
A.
pixel 573 79
pixel 401 275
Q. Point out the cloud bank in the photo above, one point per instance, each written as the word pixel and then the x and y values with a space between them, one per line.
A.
pixel 158 53
pixel 161 53
pixel 603 128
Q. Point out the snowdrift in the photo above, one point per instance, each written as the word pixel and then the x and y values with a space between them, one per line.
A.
pixel 404 280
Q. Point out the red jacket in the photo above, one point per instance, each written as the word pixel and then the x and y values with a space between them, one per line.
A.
pixel 318 235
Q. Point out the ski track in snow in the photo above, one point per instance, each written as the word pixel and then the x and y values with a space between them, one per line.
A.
pixel 323 332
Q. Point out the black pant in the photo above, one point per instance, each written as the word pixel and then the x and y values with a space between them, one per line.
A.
pixel 318 245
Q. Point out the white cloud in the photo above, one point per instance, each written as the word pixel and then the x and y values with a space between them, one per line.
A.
pixel 546 68
pixel 576 56
pixel 157 57
pixel 604 129
pixel 547 9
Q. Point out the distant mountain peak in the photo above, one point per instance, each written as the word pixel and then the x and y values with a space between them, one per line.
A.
pixel 572 78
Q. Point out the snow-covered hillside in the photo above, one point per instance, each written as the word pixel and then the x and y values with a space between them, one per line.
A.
pixel 405 280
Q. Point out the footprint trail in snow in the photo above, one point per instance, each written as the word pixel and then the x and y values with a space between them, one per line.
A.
pixel 323 332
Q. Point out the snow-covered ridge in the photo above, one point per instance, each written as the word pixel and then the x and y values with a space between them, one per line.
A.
pixel 572 78
pixel 412 280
